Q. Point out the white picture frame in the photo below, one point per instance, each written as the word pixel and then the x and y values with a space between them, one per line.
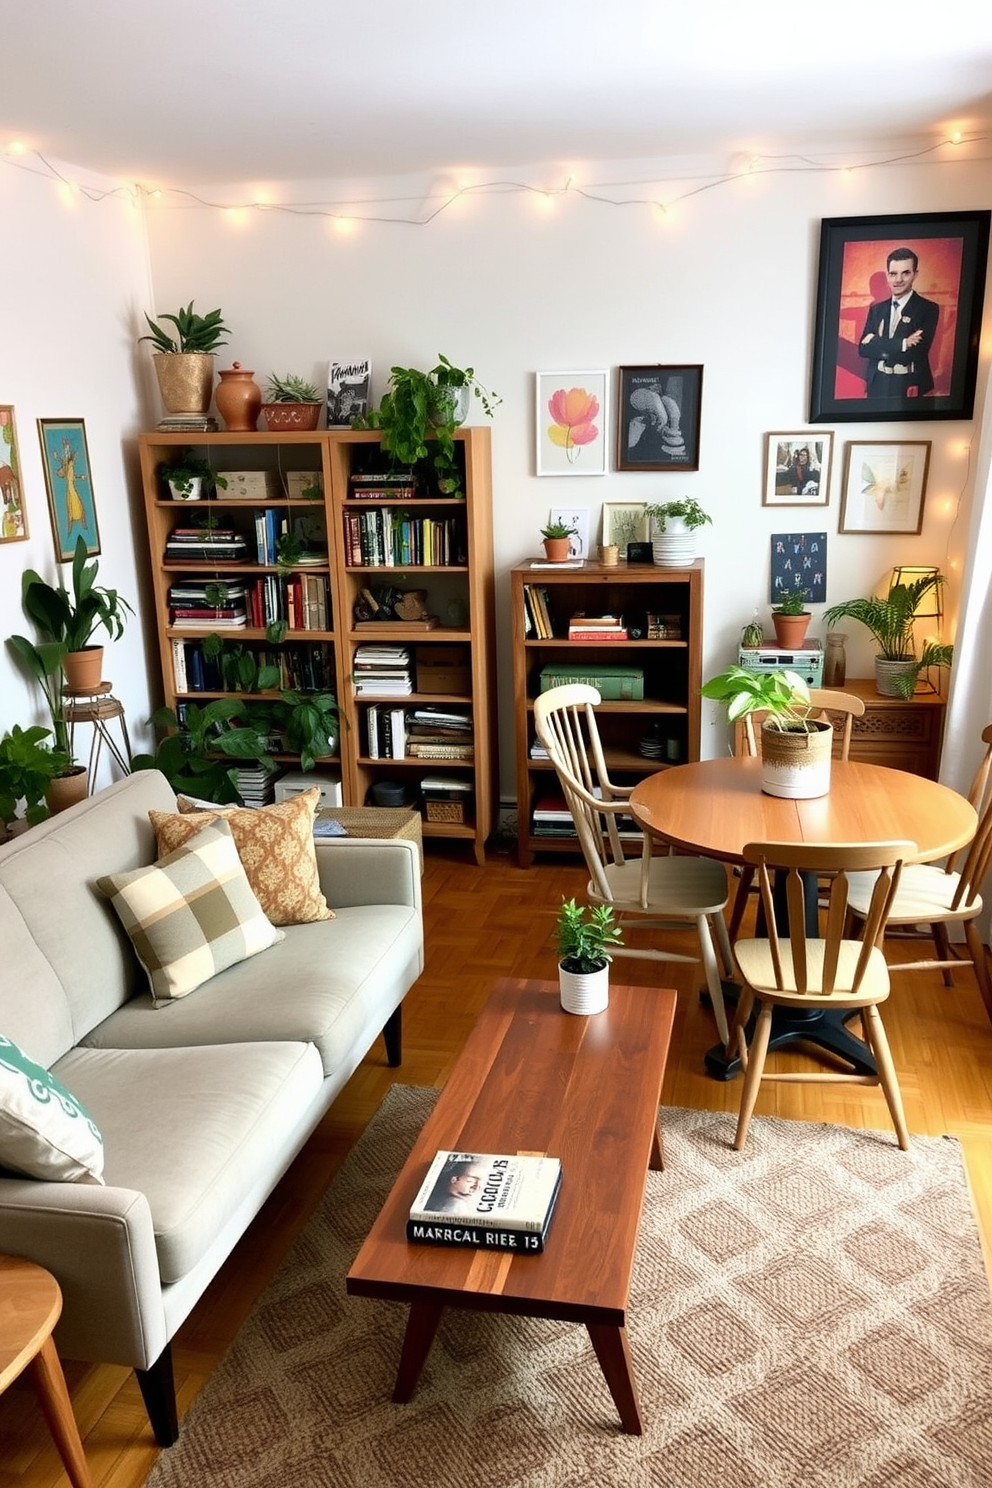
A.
pixel 788 454
pixel 571 423
pixel 577 517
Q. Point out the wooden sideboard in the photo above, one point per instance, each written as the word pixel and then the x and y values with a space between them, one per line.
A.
pixel 903 734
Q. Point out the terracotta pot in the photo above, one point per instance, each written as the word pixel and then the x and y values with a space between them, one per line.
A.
pixel 795 764
pixel 282 416
pixel 66 790
pixel 185 381
pixel 790 630
pixel 83 670
pixel 238 399
pixel 557 549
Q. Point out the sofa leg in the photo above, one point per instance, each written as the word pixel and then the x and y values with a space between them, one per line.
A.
pixel 393 1034
pixel 158 1390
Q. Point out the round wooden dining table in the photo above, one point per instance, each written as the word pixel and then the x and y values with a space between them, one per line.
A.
pixel 714 807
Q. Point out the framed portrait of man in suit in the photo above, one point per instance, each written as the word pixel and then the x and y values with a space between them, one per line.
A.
pixel 898 316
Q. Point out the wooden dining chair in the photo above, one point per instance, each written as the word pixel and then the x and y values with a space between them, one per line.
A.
pixel 791 968
pixel 950 894
pixel 836 707
pixel 653 891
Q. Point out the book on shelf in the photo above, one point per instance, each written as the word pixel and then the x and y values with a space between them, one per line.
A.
pixel 495 1201
pixel 565 563
pixel 188 622
pixel 613 683
pixel 347 390
pixel 594 637
pixel 597 628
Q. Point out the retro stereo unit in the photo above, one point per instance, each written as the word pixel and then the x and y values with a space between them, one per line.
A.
pixel 807 660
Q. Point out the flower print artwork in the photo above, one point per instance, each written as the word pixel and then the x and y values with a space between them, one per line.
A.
pixel 571 415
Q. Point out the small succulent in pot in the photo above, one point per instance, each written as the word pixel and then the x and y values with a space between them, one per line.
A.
pixel 559 530
pixel 291 389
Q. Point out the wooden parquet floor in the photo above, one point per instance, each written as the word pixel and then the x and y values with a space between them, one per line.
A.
pixel 482 924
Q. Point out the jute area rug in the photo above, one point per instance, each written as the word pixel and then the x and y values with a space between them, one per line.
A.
pixel 812 1312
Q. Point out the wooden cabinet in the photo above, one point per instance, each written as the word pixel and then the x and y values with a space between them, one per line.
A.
pixel 904 734
pixel 316 601
pixel 662 609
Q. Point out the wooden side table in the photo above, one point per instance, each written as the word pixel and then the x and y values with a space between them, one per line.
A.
pixel 30 1304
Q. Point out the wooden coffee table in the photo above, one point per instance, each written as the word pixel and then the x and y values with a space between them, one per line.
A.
pixel 534 1079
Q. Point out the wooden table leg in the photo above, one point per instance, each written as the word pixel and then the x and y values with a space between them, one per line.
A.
pixel 49 1382
pixel 613 1354
pixel 657 1159
pixel 420 1329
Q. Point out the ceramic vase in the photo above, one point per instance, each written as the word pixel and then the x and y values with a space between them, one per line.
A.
pixel 239 399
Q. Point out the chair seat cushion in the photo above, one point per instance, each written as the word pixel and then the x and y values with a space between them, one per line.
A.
pixel 925 893
pixel 689 886
pixel 754 959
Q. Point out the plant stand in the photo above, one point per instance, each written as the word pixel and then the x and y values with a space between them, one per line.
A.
pixel 99 708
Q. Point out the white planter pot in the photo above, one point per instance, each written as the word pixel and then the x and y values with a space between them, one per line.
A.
pixel 796 766
pixel 584 992
pixel 674 549
pixel 192 489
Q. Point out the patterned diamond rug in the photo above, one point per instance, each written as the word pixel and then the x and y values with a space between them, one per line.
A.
pixel 810 1313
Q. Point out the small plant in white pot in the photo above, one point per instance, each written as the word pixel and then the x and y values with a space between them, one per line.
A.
pixel 586 937
pixel 189 476
pixel 674 525
pixel 795 747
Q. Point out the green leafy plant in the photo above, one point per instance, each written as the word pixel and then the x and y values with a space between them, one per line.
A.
pixel 309 722
pixel 42 663
pixel 187 467
pixel 790 602
pixel 196 755
pixel 586 935
pixel 193 332
pixel 783 695
pixel 418 416
pixel 890 621
pixel 28 765
pixel 559 529
pixel 292 389
pixel 72 619
pixel 686 507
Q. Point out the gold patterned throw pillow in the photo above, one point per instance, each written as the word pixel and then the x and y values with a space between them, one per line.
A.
pixel 275 845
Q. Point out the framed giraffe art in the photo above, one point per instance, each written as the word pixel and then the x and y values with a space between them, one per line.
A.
pixel 71 501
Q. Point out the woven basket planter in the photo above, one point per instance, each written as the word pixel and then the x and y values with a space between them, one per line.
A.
pixel 796 765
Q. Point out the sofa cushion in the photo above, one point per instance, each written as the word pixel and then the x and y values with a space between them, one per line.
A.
pixel 191 914
pixel 44 1131
pixel 275 844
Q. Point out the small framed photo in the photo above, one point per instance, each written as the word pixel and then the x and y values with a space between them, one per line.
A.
pixel 797 469
pixel 624 522
pixel 571 423
pixel 66 462
pixel 13 517
pixel 898 316
pixel 658 418
pixel 884 486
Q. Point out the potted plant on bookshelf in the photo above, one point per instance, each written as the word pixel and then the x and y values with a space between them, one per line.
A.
pixel 184 361
pixel 419 413
pixel 200 752
pixel 189 476
pixel 674 525
pixel 291 402
pixel 586 936
pixel 791 618
pixel 70 620
pixel 795 748
pixel 558 541
pixel 891 622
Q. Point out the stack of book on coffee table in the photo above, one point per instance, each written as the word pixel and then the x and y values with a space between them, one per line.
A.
pixel 495 1201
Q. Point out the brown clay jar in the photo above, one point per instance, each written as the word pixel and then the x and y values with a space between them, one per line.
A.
pixel 238 399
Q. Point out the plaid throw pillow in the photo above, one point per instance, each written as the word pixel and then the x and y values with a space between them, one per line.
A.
pixel 191 914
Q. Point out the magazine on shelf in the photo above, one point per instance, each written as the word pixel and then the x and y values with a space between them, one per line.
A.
pixel 347 391
pixel 501 1201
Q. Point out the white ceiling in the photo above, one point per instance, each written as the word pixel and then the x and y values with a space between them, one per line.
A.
pixel 257 90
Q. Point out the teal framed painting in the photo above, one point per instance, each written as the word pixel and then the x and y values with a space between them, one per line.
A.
pixel 71 502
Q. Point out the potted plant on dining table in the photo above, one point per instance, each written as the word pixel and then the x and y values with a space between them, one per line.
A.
pixel 795 748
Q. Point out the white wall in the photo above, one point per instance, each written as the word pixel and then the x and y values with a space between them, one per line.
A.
pixel 74 271
pixel 511 284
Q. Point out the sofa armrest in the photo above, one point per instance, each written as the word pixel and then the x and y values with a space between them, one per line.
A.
pixel 99 1244
pixel 367 870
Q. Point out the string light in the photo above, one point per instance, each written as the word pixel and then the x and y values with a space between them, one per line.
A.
pixel 429 206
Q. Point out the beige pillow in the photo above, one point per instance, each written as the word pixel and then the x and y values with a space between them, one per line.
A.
pixel 275 845
pixel 191 914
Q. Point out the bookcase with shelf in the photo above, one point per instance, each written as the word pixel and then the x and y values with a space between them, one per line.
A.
pixel 653 618
pixel 253 554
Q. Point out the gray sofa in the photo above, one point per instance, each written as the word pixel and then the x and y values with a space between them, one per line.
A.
pixel 203 1103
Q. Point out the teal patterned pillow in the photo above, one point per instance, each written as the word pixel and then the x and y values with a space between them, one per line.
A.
pixel 44 1131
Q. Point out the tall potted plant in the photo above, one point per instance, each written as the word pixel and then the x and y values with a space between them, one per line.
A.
pixel 586 937
pixel 795 747
pixel 890 621
pixel 72 619
pixel 184 358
